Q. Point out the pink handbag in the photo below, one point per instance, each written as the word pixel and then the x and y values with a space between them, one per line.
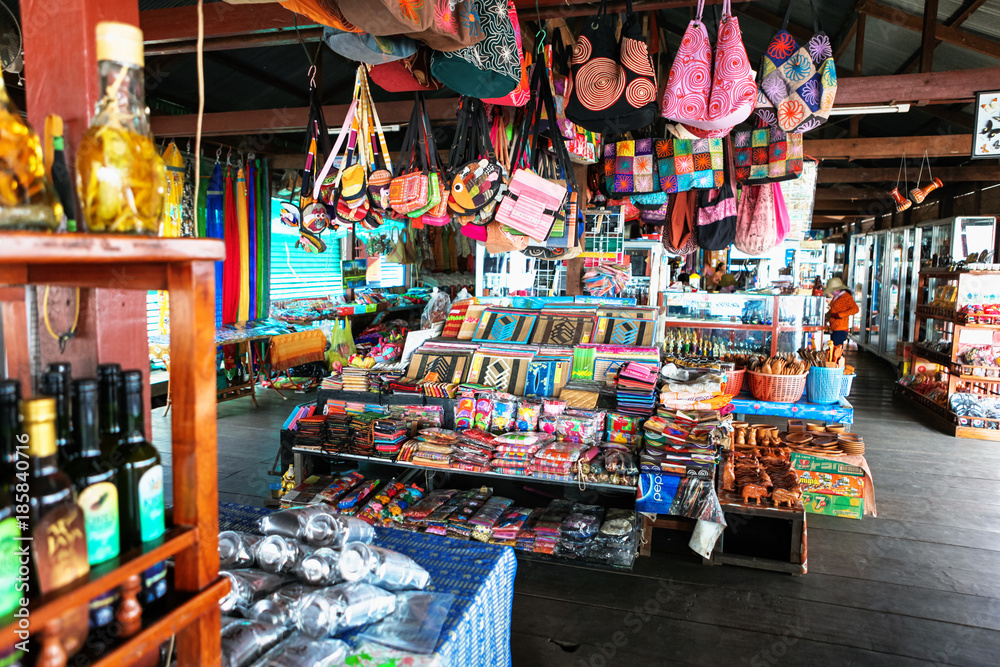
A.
pixel 531 204
pixel 781 213
pixel 756 223
pixel 710 104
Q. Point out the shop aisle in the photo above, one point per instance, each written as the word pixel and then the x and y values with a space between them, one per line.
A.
pixel 917 585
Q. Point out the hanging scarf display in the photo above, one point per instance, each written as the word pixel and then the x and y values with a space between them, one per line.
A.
pixel 188 225
pixel 243 314
pixel 252 238
pixel 170 226
pixel 215 224
pixel 231 273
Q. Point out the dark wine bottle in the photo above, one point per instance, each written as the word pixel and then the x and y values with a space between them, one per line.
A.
pixel 55 384
pixel 10 428
pixel 59 540
pixel 140 485
pixel 109 380
pixel 93 477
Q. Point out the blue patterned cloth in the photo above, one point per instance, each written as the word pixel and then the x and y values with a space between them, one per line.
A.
pixel 843 413
pixel 480 576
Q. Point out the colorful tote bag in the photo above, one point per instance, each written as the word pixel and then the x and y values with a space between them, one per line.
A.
pixel 711 103
pixel 444 25
pixel 629 167
pixel 690 164
pixel 491 68
pixel 409 74
pixel 756 220
pixel 798 84
pixel 716 221
pixel 613 85
pixel 767 155
pixel 520 95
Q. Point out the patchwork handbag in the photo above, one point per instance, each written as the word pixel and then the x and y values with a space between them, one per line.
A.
pixel 689 164
pixel 710 103
pixel 612 82
pixel 798 84
pixel 408 190
pixel 406 75
pixel 491 67
pixel 767 155
pixel 476 179
pixel 715 226
pixel 629 167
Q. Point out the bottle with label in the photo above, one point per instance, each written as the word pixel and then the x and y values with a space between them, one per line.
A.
pixel 109 380
pixel 55 384
pixel 93 477
pixel 59 539
pixel 121 178
pixel 140 486
pixel 10 427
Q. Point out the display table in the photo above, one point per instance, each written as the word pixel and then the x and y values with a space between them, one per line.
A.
pixel 762 536
pixel 689 497
pixel 480 576
pixel 843 412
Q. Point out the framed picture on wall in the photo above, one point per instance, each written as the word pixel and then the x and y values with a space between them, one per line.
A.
pixel 986 130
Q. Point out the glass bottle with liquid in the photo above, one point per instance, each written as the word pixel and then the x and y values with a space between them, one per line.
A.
pixel 140 486
pixel 56 522
pixel 56 385
pixel 109 380
pixel 93 477
pixel 120 177
pixel 27 198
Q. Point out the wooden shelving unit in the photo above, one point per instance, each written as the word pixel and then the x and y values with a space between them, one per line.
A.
pixel 958 372
pixel 185 268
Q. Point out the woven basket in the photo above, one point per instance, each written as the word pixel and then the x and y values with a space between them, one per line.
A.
pixel 777 388
pixel 845 384
pixel 734 381
pixel 824 385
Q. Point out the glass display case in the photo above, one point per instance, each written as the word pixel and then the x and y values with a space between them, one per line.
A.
pixel 762 323
pixel 955 239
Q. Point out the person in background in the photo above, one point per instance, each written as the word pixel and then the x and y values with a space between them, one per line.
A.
pixel 838 315
pixel 720 270
pixel 817 287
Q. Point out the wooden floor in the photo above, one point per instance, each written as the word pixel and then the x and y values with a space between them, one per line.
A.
pixel 917 585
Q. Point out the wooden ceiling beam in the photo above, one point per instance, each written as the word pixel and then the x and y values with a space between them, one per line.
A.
pixel 846 193
pixel 927 35
pixel 953 21
pixel 180 24
pixel 946 34
pixel 985 173
pixel 881 148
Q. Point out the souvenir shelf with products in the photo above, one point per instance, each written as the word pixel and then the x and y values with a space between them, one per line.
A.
pixel 884 270
pixel 186 269
pixel 742 323
pixel 955 372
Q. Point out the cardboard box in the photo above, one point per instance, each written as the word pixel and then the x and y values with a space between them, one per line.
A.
pixel 802 462
pixel 831 505
pixel 851 486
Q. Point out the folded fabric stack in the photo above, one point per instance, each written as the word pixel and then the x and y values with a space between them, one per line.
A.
pixel 439 389
pixel 488 516
pixel 526 535
pixel 556 460
pixel 361 433
pixel 338 432
pixel 514 451
pixel 434 447
pixel 418 416
pixel 311 431
pixel 506 530
pixel 458 521
pixel 636 388
pixel 388 436
pixel 685 388
pixel 547 528
pixel 400 385
pixel 473 451
pixel 578 530
pixel 680 445
pixel 436 522
pixel 355 379
pixel 333 383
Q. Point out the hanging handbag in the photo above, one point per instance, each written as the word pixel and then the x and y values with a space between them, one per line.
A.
pixel 660 214
pixel 756 223
pixel 716 220
pixel 767 155
pixel 519 96
pixel 406 75
pixel 489 68
pixel 378 162
pixel 444 25
pixel 678 236
pixel 477 179
pixel 629 167
pixel 689 164
pixel 798 84
pixel 408 189
pixel 710 103
pixel 613 85
pixel 369 49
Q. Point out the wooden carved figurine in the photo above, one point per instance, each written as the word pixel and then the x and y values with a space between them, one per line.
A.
pixel 130 611
pixel 783 496
pixel 729 475
pixel 753 491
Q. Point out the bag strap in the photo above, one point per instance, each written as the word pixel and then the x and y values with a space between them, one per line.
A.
pixel 348 121
pixel 817 26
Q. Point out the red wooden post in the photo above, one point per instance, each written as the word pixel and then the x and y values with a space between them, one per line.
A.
pixel 61 78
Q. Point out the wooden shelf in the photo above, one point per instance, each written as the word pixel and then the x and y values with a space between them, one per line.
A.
pixel 184 267
pixel 930 355
pixel 42 248
pixel 183 610
pixel 103 578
